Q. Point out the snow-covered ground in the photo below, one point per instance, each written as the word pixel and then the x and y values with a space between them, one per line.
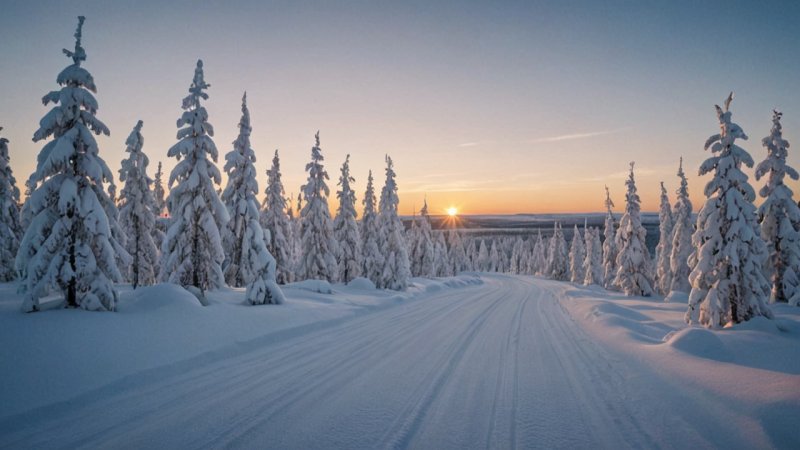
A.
pixel 476 361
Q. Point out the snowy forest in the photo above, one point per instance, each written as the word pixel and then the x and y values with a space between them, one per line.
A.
pixel 77 235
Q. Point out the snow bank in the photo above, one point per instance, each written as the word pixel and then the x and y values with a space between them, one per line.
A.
pixel 748 373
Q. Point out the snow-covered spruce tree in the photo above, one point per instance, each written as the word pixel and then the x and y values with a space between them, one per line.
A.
pixel 277 222
pixel 593 263
pixel 68 245
pixel 481 260
pixel 297 242
pixel 609 245
pixel 440 261
pixel 495 258
pixel 10 230
pixel 664 247
pixel 192 252
pixel 537 257
pixel 371 251
pixel 577 255
pixel 516 256
pixel 682 231
pixel 135 212
pixel 318 255
pixel 247 262
pixel 727 278
pixel 457 253
pixel 780 218
pixel 558 256
pixel 345 228
pixel 396 271
pixel 633 260
pixel 422 250
pixel 159 204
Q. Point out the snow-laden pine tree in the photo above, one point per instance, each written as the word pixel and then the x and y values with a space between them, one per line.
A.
pixel 10 229
pixel 577 255
pixel 345 228
pixel 609 245
pixel 664 247
pixel 192 253
pixel 317 260
pixel 682 231
pixel 159 204
pixel 136 214
pixel 370 235
pixel 558 255
pixel 247 263
pixel 422 248
pixel 634 266
pixel 278 224
pixel 396 271
pixel 457 253
pixel 440 261
pixel 514 265
pixel 780 218
pixel 297 234
pixel 481 263
pixel 68 245
pixel 495 258
pixel 593 263
pixel 727 278
pixel 536 257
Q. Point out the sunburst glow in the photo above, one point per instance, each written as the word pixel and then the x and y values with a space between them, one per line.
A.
pixel 452 211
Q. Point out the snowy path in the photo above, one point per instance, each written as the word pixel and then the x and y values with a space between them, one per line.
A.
pixel 498 365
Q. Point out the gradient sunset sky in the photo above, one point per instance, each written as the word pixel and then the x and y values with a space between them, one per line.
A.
pixel 494 107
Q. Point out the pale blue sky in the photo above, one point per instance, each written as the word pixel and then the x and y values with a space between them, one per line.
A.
pixel 492 106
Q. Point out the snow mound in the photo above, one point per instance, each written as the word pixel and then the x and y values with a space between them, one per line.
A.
pixel 761 324
pixel 165 296
pixel 321 286
pixel 361 283
pixel 699 342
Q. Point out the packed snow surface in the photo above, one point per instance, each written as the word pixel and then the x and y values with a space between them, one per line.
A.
pixel 475 361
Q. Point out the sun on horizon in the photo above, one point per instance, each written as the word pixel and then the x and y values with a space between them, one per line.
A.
pixel 452 211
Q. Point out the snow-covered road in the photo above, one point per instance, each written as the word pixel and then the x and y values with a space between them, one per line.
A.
pixel 497 365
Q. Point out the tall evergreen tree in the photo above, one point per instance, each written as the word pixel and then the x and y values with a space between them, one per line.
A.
pixel 159 204
pixel 780 218
pixel 68 245
pixel 682 231
pixel 537 257
pixel 482 259
pixel 609 245
pixel 277 219
pixel 440 261
pixel 135 212
pixel 370 235
pixel 727 278
pixel 593 263
pixel 345 228
pixel 10 229
pixel 664 247
pixel 317 258
pixel 422 249
pixel 457 253
pixel 633 259
pixel 558 256
pixel 247 263
pixel 396 271
pixel 577 255
pixel 192 253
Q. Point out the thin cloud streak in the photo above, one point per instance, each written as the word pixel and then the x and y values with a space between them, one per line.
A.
pixel 569 137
